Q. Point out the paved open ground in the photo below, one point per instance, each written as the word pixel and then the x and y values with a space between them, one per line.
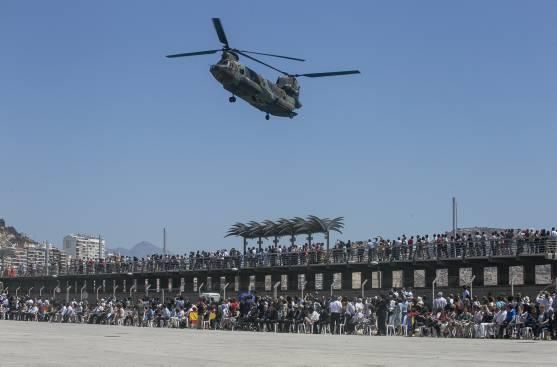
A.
pixel 44 344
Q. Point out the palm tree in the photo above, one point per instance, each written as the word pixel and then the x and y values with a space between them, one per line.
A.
pixel 326 225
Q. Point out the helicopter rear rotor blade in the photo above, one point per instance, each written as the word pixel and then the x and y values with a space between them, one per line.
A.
pixel 259 61
pixel 331 73
pixel 209 52
pixel 272 55
pixel 220 32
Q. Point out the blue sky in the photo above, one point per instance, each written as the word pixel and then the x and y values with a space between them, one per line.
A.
pixel 101 134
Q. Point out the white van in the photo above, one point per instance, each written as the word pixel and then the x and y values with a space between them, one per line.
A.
pixel 213 297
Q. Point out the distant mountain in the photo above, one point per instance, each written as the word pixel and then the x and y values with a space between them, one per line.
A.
pixel 142 249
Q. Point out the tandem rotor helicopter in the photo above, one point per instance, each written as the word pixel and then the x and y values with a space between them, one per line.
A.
pixel 278 99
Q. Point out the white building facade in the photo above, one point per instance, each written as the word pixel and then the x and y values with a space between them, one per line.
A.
pixel 81 246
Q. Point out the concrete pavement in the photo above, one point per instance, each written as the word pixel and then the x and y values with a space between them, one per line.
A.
pixel 45 344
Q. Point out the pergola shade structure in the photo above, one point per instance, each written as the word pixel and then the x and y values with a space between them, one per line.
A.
pixel 286 227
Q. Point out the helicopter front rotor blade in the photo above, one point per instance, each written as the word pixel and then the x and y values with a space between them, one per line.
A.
pixel 273 55
pixel 194 53
pixel 220 31
pixel 331 73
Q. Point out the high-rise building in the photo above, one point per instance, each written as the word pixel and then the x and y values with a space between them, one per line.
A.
pixel 82 246
pixel 20 257
pixel 30 256
pixel 58 261
pixel 36 256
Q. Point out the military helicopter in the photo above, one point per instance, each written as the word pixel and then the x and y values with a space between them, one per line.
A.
pixel 278 99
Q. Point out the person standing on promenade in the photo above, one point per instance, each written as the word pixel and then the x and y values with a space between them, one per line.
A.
pixel 382 308
pixel 335 307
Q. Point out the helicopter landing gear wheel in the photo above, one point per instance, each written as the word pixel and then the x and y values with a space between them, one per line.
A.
pixel 267 117
pixel 232 99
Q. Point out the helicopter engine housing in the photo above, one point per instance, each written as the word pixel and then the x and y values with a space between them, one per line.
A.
pixel 290 85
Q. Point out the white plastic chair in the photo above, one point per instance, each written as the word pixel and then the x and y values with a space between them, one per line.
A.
pixel 174 322
pixel 341 328
pixel 391 330
pixel 527 333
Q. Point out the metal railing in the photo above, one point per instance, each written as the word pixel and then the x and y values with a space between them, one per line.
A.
pixel 457 250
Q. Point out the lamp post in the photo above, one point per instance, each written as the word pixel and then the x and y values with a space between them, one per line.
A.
pixel 363 285
pixel 433 291
pixel 56 290
pixel 46 258
pixel 29 292
pixel 81 291
pixel 224 291
pixel 68 293
pixel 100 248
pixel 471 285
pixel 132 288
pixel 41 291
pixel 200 288
pixel 275 287
pixel 147 286
pixel 114 289
pixel 17 290
pixel 97 291
pixel 236 277
pixel 302 288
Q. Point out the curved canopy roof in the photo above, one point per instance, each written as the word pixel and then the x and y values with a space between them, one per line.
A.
pixel 286 227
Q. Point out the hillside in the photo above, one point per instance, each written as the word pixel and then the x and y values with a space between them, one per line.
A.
pixel 10 237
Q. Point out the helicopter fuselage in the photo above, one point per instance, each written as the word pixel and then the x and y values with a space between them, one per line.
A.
pixel 279 99
pixel 259 92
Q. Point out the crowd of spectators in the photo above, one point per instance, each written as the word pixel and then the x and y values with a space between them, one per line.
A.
pixel 404 248
pixel 472 244
pixel 398 313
